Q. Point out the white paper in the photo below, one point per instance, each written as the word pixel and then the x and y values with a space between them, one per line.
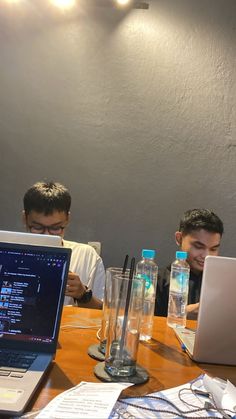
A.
pixel 224 396
pixel 229 397
pixel 213 388
pixel 161 407
pixel 86 400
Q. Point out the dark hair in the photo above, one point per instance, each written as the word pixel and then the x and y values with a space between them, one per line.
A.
pixel 197 219
pixel 46 198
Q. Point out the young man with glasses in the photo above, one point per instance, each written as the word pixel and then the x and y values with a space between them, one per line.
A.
pixel 47 211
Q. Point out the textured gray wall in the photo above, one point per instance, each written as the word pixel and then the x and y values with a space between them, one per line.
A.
pixel 134 112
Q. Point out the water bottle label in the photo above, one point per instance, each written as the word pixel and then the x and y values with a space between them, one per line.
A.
pixel 148 281
pixel 179 280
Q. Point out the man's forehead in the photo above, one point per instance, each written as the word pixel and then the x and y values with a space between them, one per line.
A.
pixel 203 236
pixel 54 216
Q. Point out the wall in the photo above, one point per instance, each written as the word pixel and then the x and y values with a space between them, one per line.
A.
pixel 134 111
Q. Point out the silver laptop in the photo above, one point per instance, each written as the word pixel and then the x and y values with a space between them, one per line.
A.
pixel 32 287
pixel 29 238
pixel 214 340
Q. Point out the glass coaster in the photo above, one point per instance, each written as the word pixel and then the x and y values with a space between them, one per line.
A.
pixel 140 377
pixel 93 351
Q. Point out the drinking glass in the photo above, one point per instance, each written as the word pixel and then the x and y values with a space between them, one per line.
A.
pixel 125 312
pixel 110 272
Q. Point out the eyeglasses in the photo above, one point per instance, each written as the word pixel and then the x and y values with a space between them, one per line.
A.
pixel 54 230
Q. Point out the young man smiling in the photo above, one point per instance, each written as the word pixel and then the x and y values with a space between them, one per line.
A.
pixel 47 211
pixel 199 234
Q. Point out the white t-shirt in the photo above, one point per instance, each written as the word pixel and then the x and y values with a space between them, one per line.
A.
pixel 86 263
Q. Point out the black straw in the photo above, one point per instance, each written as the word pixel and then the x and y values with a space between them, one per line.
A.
pixel 125 264
pixel 131 274
pixel 121 288
pixel 132 266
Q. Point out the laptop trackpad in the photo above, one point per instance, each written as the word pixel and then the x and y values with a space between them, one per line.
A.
pixel 10 395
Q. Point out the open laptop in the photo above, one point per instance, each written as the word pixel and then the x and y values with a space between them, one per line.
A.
pixel 214 340
pixel 29 238
pixel 32 287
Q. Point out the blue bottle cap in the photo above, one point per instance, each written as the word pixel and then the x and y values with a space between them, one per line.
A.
pixel 148 254
pixel 181 255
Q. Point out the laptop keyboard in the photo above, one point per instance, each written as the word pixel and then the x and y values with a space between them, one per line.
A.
pixel 18 362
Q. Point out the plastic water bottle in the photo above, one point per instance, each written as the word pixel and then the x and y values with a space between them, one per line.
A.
pixel 178 294
pixel 147 269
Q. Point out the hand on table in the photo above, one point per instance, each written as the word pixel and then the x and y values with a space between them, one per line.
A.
pixel 192 311
pixel 74 288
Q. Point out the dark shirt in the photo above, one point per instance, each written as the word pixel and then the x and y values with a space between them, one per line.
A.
pixel 163 285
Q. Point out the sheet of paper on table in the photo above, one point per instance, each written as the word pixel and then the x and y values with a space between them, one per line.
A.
pixel 99 400
pixel 86 400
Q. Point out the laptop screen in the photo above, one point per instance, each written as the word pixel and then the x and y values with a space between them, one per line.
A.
pixel 32 282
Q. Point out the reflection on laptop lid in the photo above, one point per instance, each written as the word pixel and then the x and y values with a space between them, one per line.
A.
pixel 29 238
pixel 32 286
pixel 215 338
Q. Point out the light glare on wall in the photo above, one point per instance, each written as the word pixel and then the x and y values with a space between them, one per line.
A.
pixel 123 2
pixel 136 4
pixel 64 4
pixel 69 4
pixel 13 1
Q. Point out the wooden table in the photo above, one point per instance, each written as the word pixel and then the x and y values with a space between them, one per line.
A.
pixel 167 365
